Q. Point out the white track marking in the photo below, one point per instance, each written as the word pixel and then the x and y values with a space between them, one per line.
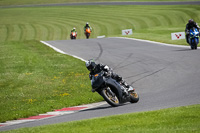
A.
pixel 62 52
pixel 165 44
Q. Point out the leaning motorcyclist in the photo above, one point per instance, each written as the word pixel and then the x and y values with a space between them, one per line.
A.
pixel 87 25
pixel 191 23
pixel 97 68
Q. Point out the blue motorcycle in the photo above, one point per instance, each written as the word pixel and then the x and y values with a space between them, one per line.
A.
pixel 194 38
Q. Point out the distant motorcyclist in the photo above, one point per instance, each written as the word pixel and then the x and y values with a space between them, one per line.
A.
pixel 97 68
pixel 74 30
pixel 73 34
pixel 191 23
pixel 87 25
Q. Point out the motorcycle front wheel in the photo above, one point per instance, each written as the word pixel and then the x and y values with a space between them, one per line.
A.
pixel 134 97
pixel 87 35
pixel 110 97
pixel 192 44
pixel 195 44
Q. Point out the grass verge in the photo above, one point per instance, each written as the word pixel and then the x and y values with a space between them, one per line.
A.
pixel 179 120
pixel 36 79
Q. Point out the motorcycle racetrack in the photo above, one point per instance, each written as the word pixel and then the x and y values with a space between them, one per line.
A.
pixel 164 76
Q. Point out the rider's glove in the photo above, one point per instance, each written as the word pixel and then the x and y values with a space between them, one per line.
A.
pixel 105 74
pixel 106 68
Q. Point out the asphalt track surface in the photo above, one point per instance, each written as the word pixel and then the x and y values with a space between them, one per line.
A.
pixel 164 76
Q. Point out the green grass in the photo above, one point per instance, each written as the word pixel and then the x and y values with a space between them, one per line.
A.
pixel 35 79
pixel 28 2
pixel 179 120
pixel 54 23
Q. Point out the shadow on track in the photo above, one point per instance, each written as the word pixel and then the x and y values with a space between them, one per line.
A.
pixel 185 50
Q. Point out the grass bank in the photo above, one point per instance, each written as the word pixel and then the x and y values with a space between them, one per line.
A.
pixel 34 77
pixel 28 2
pixel 179 120
pixel 54 23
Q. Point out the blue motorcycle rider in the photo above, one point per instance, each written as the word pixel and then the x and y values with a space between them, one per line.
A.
pixel 191 23
pixel 96 68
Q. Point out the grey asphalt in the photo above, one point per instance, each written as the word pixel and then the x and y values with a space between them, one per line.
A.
pixel 163 76
pixel 110 3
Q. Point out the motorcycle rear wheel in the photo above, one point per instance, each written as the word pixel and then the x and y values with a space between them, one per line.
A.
pixel 134 97
pixel 112 100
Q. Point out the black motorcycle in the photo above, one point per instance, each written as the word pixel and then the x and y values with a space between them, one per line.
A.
pixel 113 92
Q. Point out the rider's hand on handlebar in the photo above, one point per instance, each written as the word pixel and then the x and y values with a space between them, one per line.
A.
pixel 105 73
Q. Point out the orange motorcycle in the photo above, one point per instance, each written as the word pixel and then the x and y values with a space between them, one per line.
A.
pixel 87 32
pixel 73 35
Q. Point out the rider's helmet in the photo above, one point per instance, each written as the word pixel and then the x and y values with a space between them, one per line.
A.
pixel 74 28
pixel 87 24
pixel 190 21
pixel 90 64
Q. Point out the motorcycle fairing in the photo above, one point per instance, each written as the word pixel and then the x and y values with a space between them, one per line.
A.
pixel 194 35
pixel 97 81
